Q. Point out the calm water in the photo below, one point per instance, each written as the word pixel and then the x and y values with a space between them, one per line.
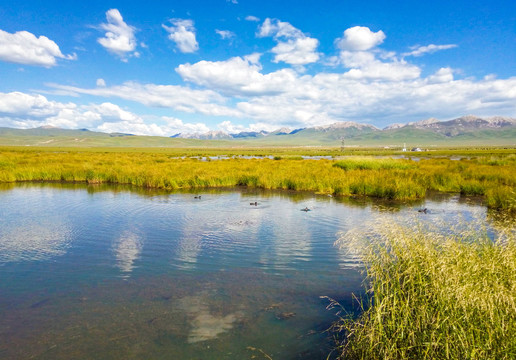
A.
pixel 115 273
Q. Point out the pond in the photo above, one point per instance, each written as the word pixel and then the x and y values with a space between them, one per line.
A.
pixel 99 272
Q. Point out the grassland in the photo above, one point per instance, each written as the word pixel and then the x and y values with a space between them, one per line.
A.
pixel 433 295
pixel 487 173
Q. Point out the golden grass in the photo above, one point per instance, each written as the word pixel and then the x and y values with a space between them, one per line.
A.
pixel 433 295
pixel 491 176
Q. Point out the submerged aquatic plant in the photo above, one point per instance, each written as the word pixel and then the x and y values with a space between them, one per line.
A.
pixel 433 294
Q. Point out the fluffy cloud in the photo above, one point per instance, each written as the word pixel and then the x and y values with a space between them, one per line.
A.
pixel 27 106
pixel 113 112
pixel 23 47
pixel 18 107
pixel 364 62
pixel 119 38
pixel 183 34
pixel 326 98
pixel 169 126
pixel 176 126
pixel 441 76
pixel 22 110
pixel 299 51
pixel 365 65
pixel 236 76
pixel 359 38
pixel 421 50
pixel 293 46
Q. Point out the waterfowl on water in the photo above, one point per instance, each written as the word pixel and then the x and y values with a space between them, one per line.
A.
pixel 422 210
pixel 197 197
pixel 254 203
pixel 305 209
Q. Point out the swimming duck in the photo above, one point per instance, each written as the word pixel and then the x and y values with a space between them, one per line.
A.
pixel 254 203
pixel 197 197
pixel 305 209
pixel 422 210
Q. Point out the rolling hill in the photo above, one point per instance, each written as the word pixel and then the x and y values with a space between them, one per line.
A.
pixel 467 130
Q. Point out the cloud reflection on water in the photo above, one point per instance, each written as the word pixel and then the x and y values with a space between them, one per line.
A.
pixel 206 324
pixel 127 249
pixel 34 240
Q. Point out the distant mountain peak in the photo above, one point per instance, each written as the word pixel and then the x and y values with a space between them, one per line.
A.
pixel 210 135
pixel 282 131
pixel 394 126
pixel 345 125
pixel 467 121
pixel 427 122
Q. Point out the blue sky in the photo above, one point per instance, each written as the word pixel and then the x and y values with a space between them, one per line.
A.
pixel 193 66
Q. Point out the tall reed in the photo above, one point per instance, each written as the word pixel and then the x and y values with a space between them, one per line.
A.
pixel 433 294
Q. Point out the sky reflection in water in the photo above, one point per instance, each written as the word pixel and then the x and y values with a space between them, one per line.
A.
pixel 109 272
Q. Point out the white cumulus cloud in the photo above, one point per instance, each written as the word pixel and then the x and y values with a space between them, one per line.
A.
pixel 441 76
pixel 183 34
pixel 176 126
pixel 21 110
pixel 237 76
pixel 119 37
pixel 365 65
pixel 23 47
pixel 359 38
pixel 28 110
pixel 293 46
pixel 364 62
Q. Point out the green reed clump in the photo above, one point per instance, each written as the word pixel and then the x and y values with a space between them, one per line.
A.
pixel 433 296
pixel 365 163
pixel 502 198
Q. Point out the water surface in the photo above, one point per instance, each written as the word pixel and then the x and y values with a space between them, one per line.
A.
pixel 97 272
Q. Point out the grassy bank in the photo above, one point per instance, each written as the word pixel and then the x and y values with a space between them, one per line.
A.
pixel 488 175
pixel 433 296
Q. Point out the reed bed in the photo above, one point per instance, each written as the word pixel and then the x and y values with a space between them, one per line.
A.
pixel 490 176
pixel 433 295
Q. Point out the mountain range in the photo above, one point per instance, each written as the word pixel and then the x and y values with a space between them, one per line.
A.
pixel 465 130
pixel 449 128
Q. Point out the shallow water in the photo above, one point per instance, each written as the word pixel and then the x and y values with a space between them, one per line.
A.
pixel 98 272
